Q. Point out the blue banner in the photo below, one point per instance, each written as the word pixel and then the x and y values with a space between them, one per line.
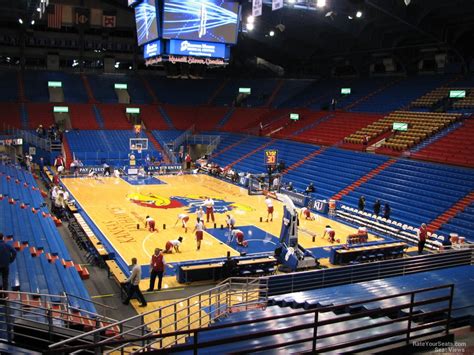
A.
pixel 320 206
pixel 198 49
pixel 298 199
pixel 152 49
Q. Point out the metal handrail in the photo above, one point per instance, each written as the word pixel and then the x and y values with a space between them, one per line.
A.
pixel 28 137
pixel 363 272
pixel 404 305
pixel 90 301
pixel 222 293
pixel 182 138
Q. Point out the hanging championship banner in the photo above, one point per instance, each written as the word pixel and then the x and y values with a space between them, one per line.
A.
pixel 277 4
pixel 256 8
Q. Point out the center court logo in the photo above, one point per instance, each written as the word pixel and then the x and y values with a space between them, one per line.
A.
pixel 192 203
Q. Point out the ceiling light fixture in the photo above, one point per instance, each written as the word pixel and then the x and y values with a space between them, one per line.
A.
pixel 320 3
pixel 250 26
pixel 359 14
pixel 272 33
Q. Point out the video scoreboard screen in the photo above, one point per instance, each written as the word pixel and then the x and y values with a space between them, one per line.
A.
pixel 207 20
pixel 146 19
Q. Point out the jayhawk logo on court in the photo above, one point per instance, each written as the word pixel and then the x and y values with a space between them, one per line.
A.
pixel 191 202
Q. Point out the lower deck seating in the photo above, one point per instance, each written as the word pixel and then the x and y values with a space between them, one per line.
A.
pixel 43 264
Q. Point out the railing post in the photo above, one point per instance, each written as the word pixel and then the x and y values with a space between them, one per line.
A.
pixel 50 323
pixel 8 320
pixel 315 330
pixel 97 349
pixel 410 316
pixel 195 343
pixel 160 317
pixel 451 295
pixel 175 322
pixel 142 320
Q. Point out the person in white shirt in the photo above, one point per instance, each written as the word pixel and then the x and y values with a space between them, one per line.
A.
pixel 306 212
pixel 275 184
pixel 209 203
pixel 199 229
pixel 134 281
pixel 200 213
pixel 269 203
pixel 150 223
pixel 184 218
pixel 173 244
pixel 230 221
pixel 239 236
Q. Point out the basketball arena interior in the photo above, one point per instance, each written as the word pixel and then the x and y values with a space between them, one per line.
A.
pixel 253 176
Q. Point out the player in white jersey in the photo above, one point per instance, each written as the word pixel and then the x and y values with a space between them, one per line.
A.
pixel 199 229
pixel 184 218
pixel 269 203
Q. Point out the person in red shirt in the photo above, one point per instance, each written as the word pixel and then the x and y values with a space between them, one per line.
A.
pixel 422 235
pixel 157 268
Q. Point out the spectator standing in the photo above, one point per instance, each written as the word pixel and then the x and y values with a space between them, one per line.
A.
pixel 386 210
pixel 422 235
pixel 7 256
pixel 157 268
pixel 377 207
pixel 134 281
pixel 361 203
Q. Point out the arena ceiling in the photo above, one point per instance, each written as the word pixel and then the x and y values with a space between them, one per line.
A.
pixel 305 33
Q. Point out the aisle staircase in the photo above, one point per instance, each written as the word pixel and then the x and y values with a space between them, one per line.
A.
pixel 451 212
pixel 275 92
pixel 256 150
pixel 149 90
pixel 90 94
pixel 304 160
pixel 158 147
pixel 218 91
pixel 363 179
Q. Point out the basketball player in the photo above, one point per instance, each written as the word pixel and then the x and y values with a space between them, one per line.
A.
pixel 239 237
pixel 330 233
pixel 199 229
pixel 200 213
pixel 230 221
pixel 209 203
pixel 150 223
pixel 173 244
pixel 306 212
pixel 269 203
pixel 184 218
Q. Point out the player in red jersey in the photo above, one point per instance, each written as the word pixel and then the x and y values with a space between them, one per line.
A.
pixel 330 233
pixel 199 230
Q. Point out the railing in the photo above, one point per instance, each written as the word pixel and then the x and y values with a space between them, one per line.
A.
pixel 211 141
pixel 308 280
pixel 396 319
pixel 179 318
pixel 182 138
pixel 171 154
pixel 46 313
pixel 28 137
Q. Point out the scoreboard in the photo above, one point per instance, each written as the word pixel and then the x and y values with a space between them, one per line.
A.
pixel 192 31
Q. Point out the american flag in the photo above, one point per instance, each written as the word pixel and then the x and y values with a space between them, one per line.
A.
pixel 55 14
